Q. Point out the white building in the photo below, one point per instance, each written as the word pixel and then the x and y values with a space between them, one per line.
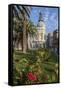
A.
pixel 39 39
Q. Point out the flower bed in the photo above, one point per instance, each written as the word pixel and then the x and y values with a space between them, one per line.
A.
pixel 38 66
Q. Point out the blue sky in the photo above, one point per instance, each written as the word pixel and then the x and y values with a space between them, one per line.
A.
pixel 50 16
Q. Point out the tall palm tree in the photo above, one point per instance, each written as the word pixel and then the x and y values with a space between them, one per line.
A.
pixel 31 31
pixel 23 13
pixel 17 32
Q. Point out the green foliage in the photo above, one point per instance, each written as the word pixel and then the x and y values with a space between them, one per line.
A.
pixel 42 62
pixel 31 28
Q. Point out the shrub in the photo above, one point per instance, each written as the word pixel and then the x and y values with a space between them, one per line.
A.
pixel 36 66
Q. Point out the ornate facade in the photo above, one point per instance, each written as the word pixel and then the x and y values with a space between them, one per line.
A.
pixel 38 40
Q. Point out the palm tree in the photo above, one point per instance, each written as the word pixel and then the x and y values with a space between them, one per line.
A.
pixel 17 32
pixel 22 12
pixel 31 31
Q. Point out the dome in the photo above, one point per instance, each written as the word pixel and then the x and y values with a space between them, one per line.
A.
pixel 41 24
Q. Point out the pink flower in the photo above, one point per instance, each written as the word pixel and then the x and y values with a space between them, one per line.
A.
pixel 31 76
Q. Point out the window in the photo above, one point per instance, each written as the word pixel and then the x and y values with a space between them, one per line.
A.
pixel 41 36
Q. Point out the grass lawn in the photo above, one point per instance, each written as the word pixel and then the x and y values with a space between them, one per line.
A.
pixel 36 66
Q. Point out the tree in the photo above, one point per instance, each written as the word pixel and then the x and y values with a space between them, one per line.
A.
pixel 23 14
pixel 17 32
pixel 23 26
pixel 31 30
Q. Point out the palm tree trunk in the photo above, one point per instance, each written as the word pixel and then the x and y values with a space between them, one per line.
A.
pixel 24 37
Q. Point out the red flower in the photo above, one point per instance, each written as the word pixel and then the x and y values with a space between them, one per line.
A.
pixel 31 76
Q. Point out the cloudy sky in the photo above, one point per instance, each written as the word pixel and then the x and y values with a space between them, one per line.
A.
pixel 50 16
